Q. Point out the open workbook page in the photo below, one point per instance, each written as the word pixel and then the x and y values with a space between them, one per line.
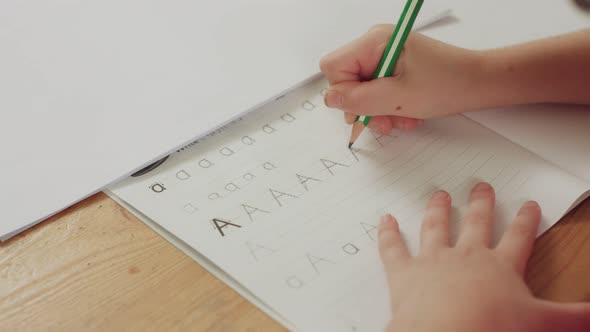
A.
pixel 558 133
pixel 278 202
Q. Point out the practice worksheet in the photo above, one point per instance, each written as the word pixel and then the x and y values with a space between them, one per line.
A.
pixel 278 202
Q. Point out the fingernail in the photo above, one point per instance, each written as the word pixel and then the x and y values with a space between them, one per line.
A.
pixel 333 99
pixel 403 124
pixel 483 186
pixel 386 218
pixel 441 194
pixel 349 118
pixel 527 207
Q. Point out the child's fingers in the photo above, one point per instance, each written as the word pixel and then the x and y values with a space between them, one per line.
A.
pixel 384 124
pixel 356 60
pixel 392 248
pixel 435 227
pixel 404 123
pixel 477 226
pixel 381 124
pixel 349 118
pixel 384 96
pixel 518 240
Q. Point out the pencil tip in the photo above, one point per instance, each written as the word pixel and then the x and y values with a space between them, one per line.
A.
pixel 350 145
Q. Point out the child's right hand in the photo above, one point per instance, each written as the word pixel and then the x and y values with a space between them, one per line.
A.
pixel 431 79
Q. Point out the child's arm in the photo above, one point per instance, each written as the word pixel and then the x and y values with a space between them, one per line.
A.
pixel 434 79
pixel 470 286
pixel 555 70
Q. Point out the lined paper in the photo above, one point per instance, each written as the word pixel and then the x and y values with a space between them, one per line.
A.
pixel 277 201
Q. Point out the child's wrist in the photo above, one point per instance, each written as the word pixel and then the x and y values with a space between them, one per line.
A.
pixel 482 85
pixel 471 89
pixel 476 88
pixel 501 81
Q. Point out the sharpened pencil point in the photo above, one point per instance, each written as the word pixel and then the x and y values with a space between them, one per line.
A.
pixel 357 128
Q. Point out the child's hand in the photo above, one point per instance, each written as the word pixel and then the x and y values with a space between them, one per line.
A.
pixel 470 287
pixel 431 79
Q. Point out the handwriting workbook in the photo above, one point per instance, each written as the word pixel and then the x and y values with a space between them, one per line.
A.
pixel 277 206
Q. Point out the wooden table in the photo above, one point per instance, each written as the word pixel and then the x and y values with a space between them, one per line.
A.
pixel 97 267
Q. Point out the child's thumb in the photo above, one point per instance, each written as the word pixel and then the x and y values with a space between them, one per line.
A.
pixel 376 97
pixel 567 317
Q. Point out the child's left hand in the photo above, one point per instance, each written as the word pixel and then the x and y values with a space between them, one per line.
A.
pixel 470 286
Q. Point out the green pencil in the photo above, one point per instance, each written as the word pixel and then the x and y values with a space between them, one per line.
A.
pixel 390 56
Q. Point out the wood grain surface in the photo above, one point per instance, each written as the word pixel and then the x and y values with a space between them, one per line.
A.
pixel 95 267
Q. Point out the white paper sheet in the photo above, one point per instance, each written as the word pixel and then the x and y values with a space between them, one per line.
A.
pixel 92 91
pixel 558 133
pixel 279 203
